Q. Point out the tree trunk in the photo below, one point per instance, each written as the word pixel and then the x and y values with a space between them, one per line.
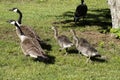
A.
pixel 115 12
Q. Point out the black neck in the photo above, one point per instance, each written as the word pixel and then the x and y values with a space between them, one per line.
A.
pixel 20 17
pixel 82 1
pixel 19 29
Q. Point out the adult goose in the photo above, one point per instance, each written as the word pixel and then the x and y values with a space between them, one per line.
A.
pixel 28 31
pixel 81 11
pixel 63 40
pixel 84 47
pixel 30 46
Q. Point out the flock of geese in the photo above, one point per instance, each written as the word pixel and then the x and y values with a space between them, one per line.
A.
pixel 30 42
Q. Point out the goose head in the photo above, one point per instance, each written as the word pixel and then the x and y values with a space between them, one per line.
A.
pixel 13 22
pixel 82 1
pixel 53 28
pixel 18 29
pixel 15 10
pixel 72 31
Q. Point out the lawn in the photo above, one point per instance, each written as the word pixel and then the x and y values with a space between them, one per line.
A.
pixel 41 15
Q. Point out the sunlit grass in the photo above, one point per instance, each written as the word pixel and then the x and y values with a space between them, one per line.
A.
pixel 41 15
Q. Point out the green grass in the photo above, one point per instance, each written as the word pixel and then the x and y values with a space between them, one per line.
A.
pixel 41 15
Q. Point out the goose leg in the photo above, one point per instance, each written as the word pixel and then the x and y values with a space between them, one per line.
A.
pixel 79 53
pixel 88 59
pixel 76 19
pixel 66 51
pixel 83 20
pixel 61 47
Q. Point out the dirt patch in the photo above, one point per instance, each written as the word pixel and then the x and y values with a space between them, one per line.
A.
pixel 99 39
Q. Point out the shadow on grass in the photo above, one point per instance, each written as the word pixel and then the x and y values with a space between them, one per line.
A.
pixel 98 17
pixel 72 51
pixel 50 59
pixel 45 45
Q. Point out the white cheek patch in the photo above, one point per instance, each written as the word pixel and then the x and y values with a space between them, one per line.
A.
pixel 13 22
pixel 15 10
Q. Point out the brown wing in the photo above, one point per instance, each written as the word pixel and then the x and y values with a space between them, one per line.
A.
pixel 64 39
pixel 31 46
pixel 28 31
pixel 84 43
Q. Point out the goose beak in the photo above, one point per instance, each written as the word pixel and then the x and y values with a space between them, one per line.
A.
pixel 10 9
pixel 50 28
pixel 8 21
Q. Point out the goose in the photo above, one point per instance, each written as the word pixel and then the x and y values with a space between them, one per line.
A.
pixel 84 47
pixel 63 40
pixel 81 11
pixel 28 31
pixel 30 46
